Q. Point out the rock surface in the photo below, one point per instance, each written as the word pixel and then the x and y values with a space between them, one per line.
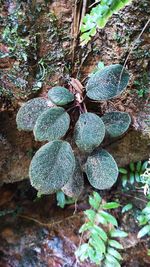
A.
pixel 51 58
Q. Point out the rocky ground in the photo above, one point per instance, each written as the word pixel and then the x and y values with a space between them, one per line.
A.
pixel 44 51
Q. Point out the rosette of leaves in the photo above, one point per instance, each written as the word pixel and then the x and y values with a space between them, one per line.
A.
pixel 53 166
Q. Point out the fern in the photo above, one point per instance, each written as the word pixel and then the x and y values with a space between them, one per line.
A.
pixel 101 230
pixel 98 17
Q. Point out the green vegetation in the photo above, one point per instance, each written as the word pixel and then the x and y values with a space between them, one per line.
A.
pixel 142 85
pixel 137 177
pixel 60 96
pixel 29 112
pixel 52 167
pixel 63 200
pixel 134 173
pixel 107 83
pixel 99 234
pixel 113 130
pixel 99 16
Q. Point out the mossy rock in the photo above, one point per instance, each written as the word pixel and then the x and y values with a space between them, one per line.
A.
pixel 52 124
pixel 52 166
pixel 60 96
pixel 116 123
pixel 75 185
pixel 107 83
pixel 101 170
pixel 89 132
pixel 29 112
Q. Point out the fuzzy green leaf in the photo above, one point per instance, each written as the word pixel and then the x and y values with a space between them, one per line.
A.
pixel 114 253
pixel 122 170
pixel 116 123
pixel 99 231
pixel 107 83
pixel 98 243
pixel 144 231
pixel 60 199
pixel 52 124
pixel 90 214
pixel 124 179
pixel 132 166
pixel 89 132
pixel 85 227
pixel 110 205
pixel 95 200
pixel 75 184
pixel 60 95
pixel 93 255
pixel 109 218
pixel 115 244
pixel 29 112
pixel 137 177
pixel 127 208
pixel 111 264
pixel 144 166
pixel 132 178
pixel 101 169
pixel 81 252
pixel 101 219
pixel 118 233
pixel 146 210
pixel 112 260
pixel 139 166
pixel 51 167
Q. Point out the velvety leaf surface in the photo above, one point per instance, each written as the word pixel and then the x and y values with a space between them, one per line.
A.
pixel 29 112
pixel 60 95
pixel 116 123
pixel 101 169
pixel 52 124
pixel 89 132
pixel 107 83
pixel 75 185
pixel 52 166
